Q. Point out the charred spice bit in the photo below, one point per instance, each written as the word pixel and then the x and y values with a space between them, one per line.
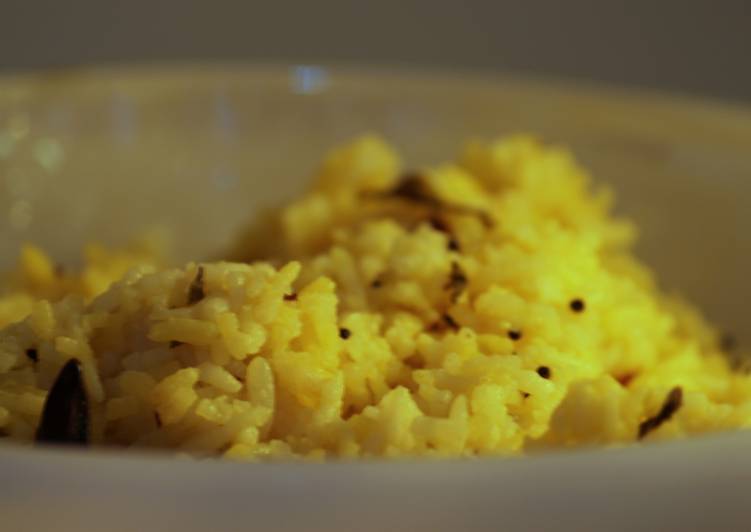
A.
pixel 196 292
pixel 450 321
pixel 440 225
pixel 32 354
pixel 344 333
pixel 290 297
pixel 65 417
pixel 446 322
pixel 457 282
pixel 544 372
pixel 577 305
pixel 625 379
pixel 515 335
pixel 158 420
pixel 175 343
pixel 672 403
pixel 525 395
pixel 376 283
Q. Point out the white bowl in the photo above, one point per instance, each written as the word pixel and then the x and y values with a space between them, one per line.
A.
pixel 87 155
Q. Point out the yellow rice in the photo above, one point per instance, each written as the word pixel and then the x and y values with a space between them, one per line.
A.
pixel 507 313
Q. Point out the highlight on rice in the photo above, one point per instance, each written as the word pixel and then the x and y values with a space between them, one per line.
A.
pixel 483 307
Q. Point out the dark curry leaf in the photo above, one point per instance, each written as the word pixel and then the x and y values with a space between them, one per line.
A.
pixel 412 188
pixel 196 292
pixel 65 417
pixel 672 403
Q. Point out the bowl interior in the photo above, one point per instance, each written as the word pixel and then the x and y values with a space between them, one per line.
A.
pixel 101 155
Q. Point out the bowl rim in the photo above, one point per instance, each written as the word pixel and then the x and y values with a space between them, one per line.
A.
pixel 343 73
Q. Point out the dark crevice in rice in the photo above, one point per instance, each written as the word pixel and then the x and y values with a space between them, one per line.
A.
pixel 439 224
pixel 415 361
pixel 457 282
pixel 626 378
pixel 350 411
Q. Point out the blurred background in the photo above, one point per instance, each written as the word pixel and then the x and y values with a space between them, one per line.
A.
pixel 698 47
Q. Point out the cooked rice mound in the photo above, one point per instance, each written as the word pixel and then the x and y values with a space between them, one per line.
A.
pixel 488 306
